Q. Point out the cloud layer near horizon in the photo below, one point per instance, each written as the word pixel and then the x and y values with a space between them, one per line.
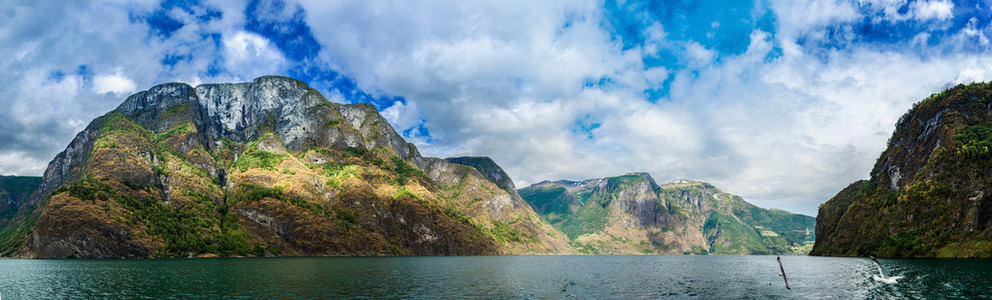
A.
pixel 783 102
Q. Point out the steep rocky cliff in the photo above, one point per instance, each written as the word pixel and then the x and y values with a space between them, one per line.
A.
pixel 633 214
pixel 268 167
pixel 930 192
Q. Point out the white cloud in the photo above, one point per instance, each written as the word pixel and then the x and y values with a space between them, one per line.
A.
pixel 889 8
pixel 921 10
pixel 27 163
pixel 928 10
pixel 59 75
pixel 249 55
pixel 796 17
pixel 699 55
pixel 116 83
pixel 974 74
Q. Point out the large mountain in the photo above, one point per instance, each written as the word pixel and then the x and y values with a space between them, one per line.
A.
pixel 930 192
pixel 632 214
pixel 268 167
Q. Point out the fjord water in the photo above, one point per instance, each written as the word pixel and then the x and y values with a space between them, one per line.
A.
pixel 493 277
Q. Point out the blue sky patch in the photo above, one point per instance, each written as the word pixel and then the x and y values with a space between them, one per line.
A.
pixel 721 26
pixel 291 35
pixel 586 127
pixel 164 25
pixel 286 27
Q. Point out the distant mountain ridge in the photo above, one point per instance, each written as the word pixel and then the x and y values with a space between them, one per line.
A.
pixel 632 214
pixel 930 192
pixel 14 192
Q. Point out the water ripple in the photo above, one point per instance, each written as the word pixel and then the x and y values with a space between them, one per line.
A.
pixel 494 277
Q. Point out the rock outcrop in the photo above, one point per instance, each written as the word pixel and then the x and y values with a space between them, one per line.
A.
pixel 930 192
pixel 268 167
pixel 632 214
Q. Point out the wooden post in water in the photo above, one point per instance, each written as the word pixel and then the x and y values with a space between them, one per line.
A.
pixel 779 258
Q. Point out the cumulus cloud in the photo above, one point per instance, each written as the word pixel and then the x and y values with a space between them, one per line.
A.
pixel 800 16
pixel 927 10
pixel 49 75
pixel 114 83
pixel 69 62
pixel 250 55
pixel 903 10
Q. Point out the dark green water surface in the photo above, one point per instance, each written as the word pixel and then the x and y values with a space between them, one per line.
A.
pixel 494 277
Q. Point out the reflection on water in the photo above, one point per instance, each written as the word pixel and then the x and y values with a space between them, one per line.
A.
pixel 502 277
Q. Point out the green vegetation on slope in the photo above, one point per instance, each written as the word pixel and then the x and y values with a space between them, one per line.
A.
pixel 728 236
pixel 12 235
pixel 254 158
pixel 590 218
pixel 549 200
pixel 17 189
pixel 18 185
pixel 404 171
pixel 976 141
pixel 251 193
pixel 183 229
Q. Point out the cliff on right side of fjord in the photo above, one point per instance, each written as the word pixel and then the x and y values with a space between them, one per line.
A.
pixel 930 191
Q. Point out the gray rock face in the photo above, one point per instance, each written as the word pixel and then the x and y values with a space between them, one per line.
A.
pixel 149 107
pixel 67 165
pixel 239 112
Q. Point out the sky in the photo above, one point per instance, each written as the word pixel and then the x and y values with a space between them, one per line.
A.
pixel 784 102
